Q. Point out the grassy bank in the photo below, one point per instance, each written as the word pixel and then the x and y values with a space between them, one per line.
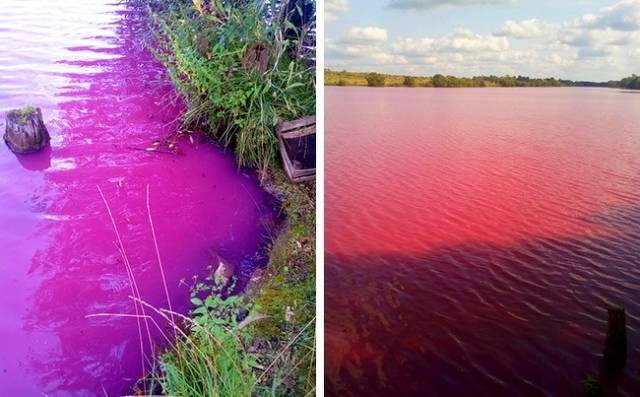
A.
pixel 238 73
pixel 241 67
pixel 344 78
pixel 261 343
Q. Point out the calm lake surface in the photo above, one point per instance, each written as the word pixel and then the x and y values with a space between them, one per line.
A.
pixel 475 237
pixel 105 100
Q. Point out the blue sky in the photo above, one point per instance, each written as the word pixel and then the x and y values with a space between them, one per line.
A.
pixel 575 39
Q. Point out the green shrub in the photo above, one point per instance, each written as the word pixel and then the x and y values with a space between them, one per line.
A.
pixel 375 80
pixel 272 356
pixel 236 73
pixel 239 77
pixel 211 359
pixel 410 81
pixel 440 81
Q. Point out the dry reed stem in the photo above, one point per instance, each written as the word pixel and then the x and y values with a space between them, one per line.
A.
pixel 134 291
pixel 207 334
pixel 296 364
pixel 185 336
pixel 132 281
pixel 312 361
pixel 138 316
pixel 155 242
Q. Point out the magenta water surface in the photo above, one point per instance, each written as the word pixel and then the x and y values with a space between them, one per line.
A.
pixel 105 99
pixel 475 237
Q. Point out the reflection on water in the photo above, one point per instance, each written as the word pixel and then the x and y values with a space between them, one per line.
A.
pixel 104 99
pixel 39 161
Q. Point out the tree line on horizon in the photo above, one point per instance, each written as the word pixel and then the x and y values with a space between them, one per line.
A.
pixel 630 83
pixel 345 78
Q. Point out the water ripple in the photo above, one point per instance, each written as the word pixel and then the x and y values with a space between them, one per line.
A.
pixel 476 254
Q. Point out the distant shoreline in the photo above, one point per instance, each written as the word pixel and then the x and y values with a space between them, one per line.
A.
pixel 496 87
pixel 364 79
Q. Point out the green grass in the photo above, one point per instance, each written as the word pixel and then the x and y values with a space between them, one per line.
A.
pixel 286 295
pixel 238 78
pixel 210 358
pixel 236 74
pixel 25 112
pixel 272 351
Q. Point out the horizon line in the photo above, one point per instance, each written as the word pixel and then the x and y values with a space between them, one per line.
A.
pixel 471 77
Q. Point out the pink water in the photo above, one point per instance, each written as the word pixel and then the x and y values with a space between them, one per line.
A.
pixel 475 236
pixel 105 99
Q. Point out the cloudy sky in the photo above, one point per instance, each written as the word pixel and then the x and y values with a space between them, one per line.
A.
pixel 595 40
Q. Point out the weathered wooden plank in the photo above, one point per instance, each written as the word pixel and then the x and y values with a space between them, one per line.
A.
pixel 295 174
pixel 295 129
pixel 295 124
pixel 299 133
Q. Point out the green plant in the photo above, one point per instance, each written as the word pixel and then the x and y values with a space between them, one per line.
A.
pixel 410 81
pixel 236 65
pixel 25 112
pixel 286 296
pixel 592 387
pixel 281 330
pixel 375 80
pixel 236 72
pixel 210 359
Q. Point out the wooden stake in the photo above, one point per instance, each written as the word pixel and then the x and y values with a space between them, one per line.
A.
pixel 615 348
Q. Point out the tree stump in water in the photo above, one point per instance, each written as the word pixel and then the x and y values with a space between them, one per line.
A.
pixel 25 130
pixel 615 349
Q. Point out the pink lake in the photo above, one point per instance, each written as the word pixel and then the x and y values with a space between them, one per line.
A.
pixel 104 99
pixel 474 238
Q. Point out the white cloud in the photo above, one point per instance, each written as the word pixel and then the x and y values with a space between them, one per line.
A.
pixel 363 45
pixel 598 46
pixel 332 8
pixel 369 33
pixel 527 29
pixel 594 38
pixel 414 47
pixel 462 52
pixel 594 52
pixel 388 59
pixel 461 41
pixel 427 4
pixel 371 53
pixel 623 16
pixel 603 34
pixel 467 41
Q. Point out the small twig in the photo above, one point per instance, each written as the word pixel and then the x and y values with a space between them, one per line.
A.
pixel 150 151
